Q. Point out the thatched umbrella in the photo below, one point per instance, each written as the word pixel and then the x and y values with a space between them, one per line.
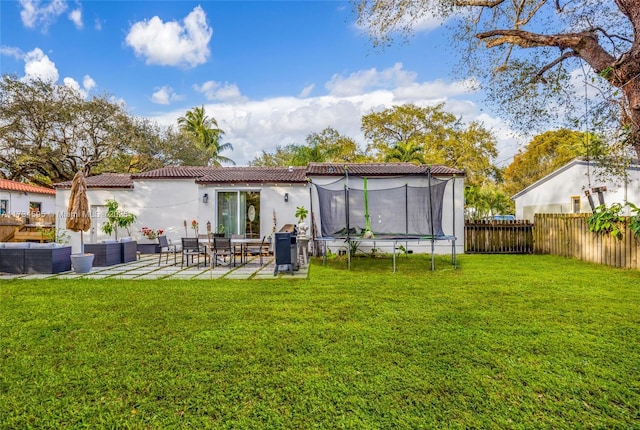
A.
pixel 79 216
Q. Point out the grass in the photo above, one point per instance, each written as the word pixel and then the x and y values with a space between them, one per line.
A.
pixel 502 342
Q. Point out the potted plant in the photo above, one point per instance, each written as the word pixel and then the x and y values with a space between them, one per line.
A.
pixel 150 234
pixel 301 214
pixel 116 219
pixel 220 231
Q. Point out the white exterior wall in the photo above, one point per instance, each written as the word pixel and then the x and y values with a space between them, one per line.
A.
pixel 553 194
pixel 167 204
pixel 18 202
pixel 452 213
pixel 157 204
pixel 271 199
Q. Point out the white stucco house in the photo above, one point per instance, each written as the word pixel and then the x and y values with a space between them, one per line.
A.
pixel 565 190
pixel 251 201
pixel 23 199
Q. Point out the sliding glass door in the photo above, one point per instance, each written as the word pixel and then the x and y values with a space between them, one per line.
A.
pixel 239 213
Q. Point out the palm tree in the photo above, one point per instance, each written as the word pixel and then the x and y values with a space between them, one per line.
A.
pixel 207 134
pixel 405 152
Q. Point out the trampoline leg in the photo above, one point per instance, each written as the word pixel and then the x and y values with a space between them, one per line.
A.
pixel 433 258
pixel 394 256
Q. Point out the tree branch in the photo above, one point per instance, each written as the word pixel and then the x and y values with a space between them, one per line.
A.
pixel 531 14
pixel 585 44
pixel 541 72
pixel 611 36
pixel 479 3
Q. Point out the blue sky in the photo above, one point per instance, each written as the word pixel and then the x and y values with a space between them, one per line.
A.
pixel 270 72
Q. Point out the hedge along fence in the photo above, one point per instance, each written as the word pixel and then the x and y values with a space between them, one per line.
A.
pixel 567 235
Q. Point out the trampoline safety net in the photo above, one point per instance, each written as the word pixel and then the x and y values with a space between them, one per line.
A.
pixel 399 211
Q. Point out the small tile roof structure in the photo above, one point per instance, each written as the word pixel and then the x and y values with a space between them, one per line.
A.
pixel 255 175
pixel 104 180
pixel 176 172
pixel 379 169
pixel 21 187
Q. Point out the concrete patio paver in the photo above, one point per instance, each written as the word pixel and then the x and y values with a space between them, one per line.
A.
pixel 147 268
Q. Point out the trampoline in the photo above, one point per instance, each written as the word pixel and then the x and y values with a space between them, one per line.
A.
pixel 367 210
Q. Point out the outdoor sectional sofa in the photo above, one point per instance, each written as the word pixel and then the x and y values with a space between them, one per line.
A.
pixel 27 258
pixel 110 252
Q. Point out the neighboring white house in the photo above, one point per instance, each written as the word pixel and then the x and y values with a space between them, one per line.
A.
pixel 23 199
pixel 252 201
pixel 563 191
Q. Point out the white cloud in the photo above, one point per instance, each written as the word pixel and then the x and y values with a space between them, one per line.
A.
pixel 165 95
pixel 76 17
pixel 217 91
pixel 256 125
pixel 12 51
pixel 435 89
pixel 38 65
pixel 72 83
pixel 367 80
pixel 36 13
pixel 172 43
pixel 97 24
pixel 88 83
pixel 306 91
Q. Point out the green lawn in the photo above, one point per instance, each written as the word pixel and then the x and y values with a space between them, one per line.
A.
pixel 502 342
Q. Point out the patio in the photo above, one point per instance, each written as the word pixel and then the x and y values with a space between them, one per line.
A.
pixel 147 268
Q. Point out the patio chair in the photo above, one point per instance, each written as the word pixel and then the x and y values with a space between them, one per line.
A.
pixel 238 248
pixel 167 248
pixel 191 248
pixel 261 249
pixel 222 248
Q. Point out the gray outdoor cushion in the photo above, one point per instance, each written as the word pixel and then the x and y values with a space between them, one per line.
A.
pixel 17 245
pixel 49 245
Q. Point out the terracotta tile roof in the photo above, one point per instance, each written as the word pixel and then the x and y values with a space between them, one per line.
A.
pixel 105 180
pixel 256 175
pixel 174 172
pixel 241 175
pixel 379 169
pixel 8 185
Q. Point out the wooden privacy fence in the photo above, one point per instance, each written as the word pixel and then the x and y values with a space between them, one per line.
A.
pixel 498 237
pixel 567 235
pixel 21 227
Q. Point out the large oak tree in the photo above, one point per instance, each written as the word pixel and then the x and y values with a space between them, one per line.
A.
pixel 431 135
pixel 48 132
pixel 528 54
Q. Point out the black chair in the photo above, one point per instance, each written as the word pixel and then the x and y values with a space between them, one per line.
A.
pixel 261 249
pixel 191 248
pixel 167 248
pixel 222 248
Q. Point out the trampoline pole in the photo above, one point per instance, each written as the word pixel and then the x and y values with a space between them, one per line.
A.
pixel 406 218
pixel 453 215
pixel 346 192
pixel 433 241
pixel 406 209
